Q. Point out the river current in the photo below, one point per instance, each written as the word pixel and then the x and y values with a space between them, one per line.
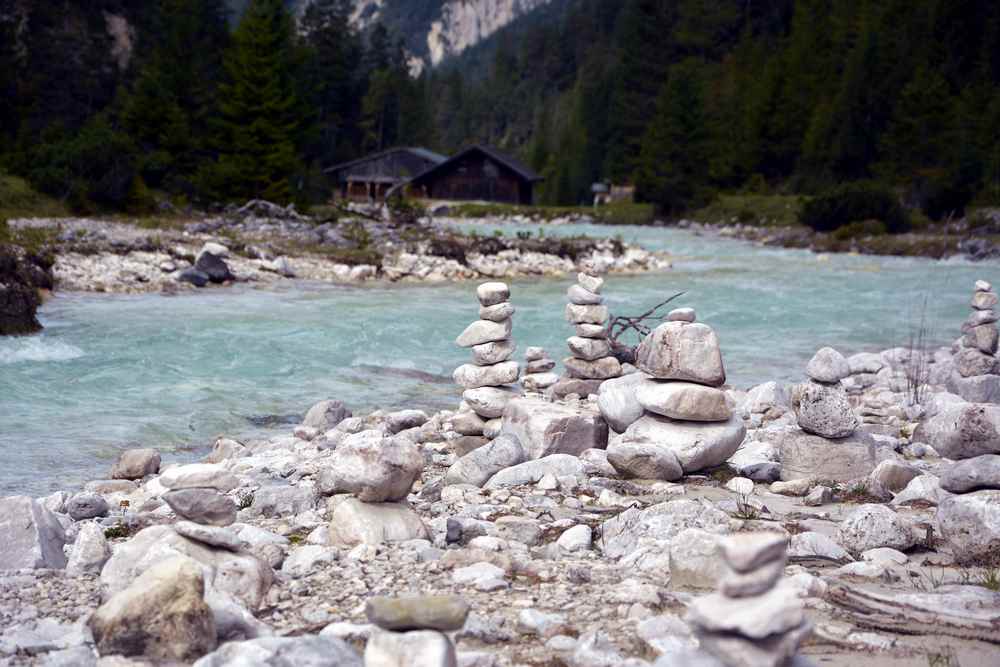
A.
pixel 173 372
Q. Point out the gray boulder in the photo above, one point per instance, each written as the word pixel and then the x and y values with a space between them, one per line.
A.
pixel 656 526
pixel 136 464
pixel 90 550
pixel 805 456
pixel 493 353
pixel 697 445
pixel 682 351
pixel 484 331
pixel 644 460
pixel 374 467
pixel 471 376
pixel 326 414
pixel 979 472
pixel 205 506
pixel 529 472
pixel 199 475
pixel 212 264
pixel 970 525
pixel 828 365
pixel 617 401
pixel 545 428
pixel 684 400
pixel 86 505
pixel 161 615
pixel 417 612
pixel 31 536
pixel 354 522
pixel 969 362
pixel 824 410
pixel 489 402
pixel 872 526
pixel 962 431
pixel 479 465
pixel 305 651
pixel 492 293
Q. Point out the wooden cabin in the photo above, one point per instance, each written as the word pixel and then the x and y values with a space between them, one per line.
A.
pixel 370 177
pixel 478 173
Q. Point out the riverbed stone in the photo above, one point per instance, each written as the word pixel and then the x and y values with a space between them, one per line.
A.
pixel 90 550
pixel 305 651
pixel 978 472
pixel 492 293
pixel 417 612
pixel 497 312
pixel 824 410
pixel 199 475
pixel 617 401
pixel 205 506
pixel 893 475
pixel 211 262
pixel 529 472
pixel 983 300
pixel 545 428
pixel 686 401
pixel 969 362
pixel 586 314
pixel 581 296
pixel 591 331
pixel 354 522
pixel 495 352
pixel 471 376
pixel 489 402
pixel 326 414
pixel 484 331
pixel 419 648
pixel 31 536
pixel 136 464
pixel 161 615
pixel 682 351
pixel 871 526
pixel 600 369
pixel 213 536
pixel 806 456
pixel 983 338
pixel 828 365
pixel 372 466
pixel 962 431
pixel 570 385
pixel 975 389
pixel 590 282
pixel 86 505
pixel 479 465
pixel 694 559
pixel 644 460
pixel 777 611
pixel 588 349
pixel 970 525
pixel 697 445
pixel 745 552
pixel 682 315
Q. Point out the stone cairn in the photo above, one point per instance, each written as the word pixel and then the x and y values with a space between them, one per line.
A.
pixel 672 417
pixel 411 630
pixel 538 375
pixel 976 367
pixel 749 621
pixel 591 362
pixel 487 380
pixel 821 405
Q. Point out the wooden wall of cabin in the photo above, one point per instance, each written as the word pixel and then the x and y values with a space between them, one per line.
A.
pixel 477 177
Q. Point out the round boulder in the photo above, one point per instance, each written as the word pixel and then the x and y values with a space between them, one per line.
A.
pixel 374 467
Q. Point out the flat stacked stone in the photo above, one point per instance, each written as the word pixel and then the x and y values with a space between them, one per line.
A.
pixel 487 381
pixel 412 630
pixel 591 361
pixel 751 622
pixel 673 418
pixel 538 375
pixel 976 376
pixel 198 495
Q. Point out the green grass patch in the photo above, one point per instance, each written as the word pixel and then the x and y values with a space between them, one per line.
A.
pixel 35 240
pixel 613 214
pixel 755 210
pixel 19 200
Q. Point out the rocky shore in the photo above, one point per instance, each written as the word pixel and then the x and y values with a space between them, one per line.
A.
pixel 666 519
pixel 268 244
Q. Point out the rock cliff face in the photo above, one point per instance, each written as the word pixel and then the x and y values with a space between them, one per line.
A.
pixel 20 278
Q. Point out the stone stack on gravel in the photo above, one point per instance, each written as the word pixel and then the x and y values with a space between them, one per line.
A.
pixel 411 630
pixel 829 444
pixel 673 418
pixel 538 375
pixel 970 519
pixel 200 498
pixel 487 380
pixel 378 471
pixel 976 377
pixel 751 622
pixel 591 362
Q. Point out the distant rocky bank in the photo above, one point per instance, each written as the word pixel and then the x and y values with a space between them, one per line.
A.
pixel 269 244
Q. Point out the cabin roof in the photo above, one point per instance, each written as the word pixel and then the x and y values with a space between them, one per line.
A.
pixel 513 164
pixel 422 153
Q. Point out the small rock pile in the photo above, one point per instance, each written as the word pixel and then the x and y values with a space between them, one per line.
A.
pixel 821 405
pixel 672 417
pixel 970 519
pixel 538 375
pixel 591 362
pixel 378 470
pixel 977 371
pixel 487 379
pixel 751 622
pixel 411 630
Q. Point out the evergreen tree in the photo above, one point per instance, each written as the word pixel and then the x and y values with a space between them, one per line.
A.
pixel 260 115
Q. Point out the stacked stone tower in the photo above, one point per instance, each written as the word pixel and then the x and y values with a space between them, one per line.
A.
pixel 487 380
pixel 591 362
pixel 538 375
pixel 977 371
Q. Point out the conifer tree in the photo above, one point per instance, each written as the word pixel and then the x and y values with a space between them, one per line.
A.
pixel 260 114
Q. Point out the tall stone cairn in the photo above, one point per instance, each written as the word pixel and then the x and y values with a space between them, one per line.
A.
pixel 749 621
pixel 977 348
pixel 538 375
pixel 487 380
pixel 591 362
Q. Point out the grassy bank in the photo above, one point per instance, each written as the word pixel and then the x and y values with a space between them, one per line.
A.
pixel 756 210
pixel 614 214
pixel 18 199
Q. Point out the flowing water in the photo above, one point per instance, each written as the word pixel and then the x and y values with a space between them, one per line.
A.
pixel 111 372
